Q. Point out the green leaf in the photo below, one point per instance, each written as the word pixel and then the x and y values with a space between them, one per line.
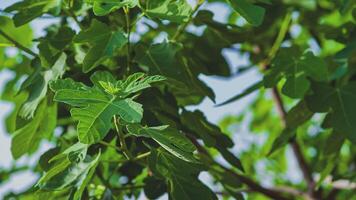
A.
pixel 104 7
pixel 162 59
pixel 73 154
pixel 53 44
pixel 211 134
pixel 296 116
pixel 172 10
pixel 133 83
pixel 75 176
pixel 27 139
pixel 104 43
pixel 252 13
pixel 169 138
pixel 154 187
pixel 139 81
pixel 296 67
pixel 340 102
pixel 182 176
pixel 37 84
pixel 95 109
pixel 28 10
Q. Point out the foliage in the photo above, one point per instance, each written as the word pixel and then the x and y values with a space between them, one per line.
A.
pixel 113 98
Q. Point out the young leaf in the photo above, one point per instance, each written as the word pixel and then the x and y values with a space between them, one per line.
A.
pixel 104 43
pixel 169 138
pixel 137 82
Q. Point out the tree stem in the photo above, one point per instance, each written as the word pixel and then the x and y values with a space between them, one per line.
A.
pixel 128 32
pixel 17 44
pixel 122 139
pixel 307 174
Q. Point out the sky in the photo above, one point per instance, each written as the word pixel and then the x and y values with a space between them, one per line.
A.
pixel 222 87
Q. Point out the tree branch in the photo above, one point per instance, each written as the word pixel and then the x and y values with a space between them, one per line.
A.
pixel 253 185
pixel 307 174
pixel 256 187
pixel 184 26
pixel 17 44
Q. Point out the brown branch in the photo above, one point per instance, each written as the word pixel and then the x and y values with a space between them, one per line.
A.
pixel 307 174
pixel 253 185
pixel 257 187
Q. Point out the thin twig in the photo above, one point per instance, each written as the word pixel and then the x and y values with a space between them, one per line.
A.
pixel 110 145
pixel 181 29
pixel 17 44
pixel 128 32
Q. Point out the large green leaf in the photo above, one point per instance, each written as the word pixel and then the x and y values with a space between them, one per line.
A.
pixel 73 154
pixel 340 102
pixel 75 176
pixel 182 176
pixel 27 10
pixel 172 10
pixel 212 136
pixel 252 13
pixel 104 43
pixel 169 138
pixel 296 67
pixel 37 84
pixel 95 109
pixel 27 139
pixel 104 7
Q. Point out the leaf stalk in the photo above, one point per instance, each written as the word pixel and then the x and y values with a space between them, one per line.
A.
pixel 121 136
